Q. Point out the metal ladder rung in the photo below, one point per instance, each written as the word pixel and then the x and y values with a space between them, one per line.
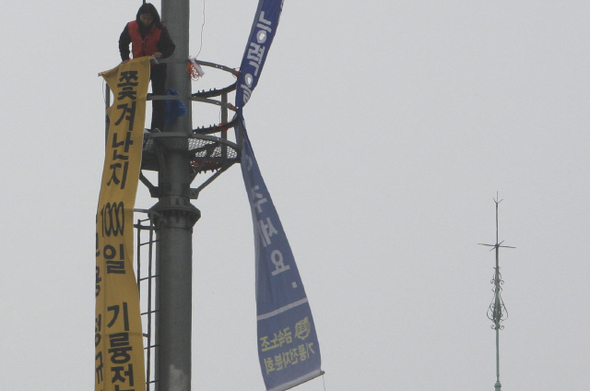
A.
pixel 147 243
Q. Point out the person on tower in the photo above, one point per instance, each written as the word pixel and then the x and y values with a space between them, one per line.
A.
pixel 149 37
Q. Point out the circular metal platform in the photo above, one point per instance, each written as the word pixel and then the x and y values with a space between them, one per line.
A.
pixel 206 152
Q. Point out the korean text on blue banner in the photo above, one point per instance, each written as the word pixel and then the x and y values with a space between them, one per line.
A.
pixel 263 31
pixel 288 347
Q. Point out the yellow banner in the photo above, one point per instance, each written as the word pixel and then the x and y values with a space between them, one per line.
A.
pixel 119 359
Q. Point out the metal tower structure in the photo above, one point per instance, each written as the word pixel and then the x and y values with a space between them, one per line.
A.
pixel 177 155
pixel 497 312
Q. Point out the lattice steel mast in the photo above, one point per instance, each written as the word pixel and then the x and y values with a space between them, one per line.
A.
pixel 497 312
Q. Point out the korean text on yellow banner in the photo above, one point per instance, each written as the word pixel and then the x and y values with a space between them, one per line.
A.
pixel 119 355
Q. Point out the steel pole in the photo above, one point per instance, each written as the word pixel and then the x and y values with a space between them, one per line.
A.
pixel 498 385
pixel 175 216
pixel 497 312
pixel 176 17
pixel 498 304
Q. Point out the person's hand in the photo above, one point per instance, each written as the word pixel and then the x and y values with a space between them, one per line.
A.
pixel 157 54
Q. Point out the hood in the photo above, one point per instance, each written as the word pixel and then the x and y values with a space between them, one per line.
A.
pixel 148 8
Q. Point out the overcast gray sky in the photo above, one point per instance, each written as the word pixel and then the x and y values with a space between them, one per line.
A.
pixel 383 130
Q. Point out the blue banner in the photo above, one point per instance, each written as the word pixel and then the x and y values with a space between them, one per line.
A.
pixel 288 347
pixel 263 31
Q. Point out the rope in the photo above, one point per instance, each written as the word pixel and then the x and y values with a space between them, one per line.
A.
pixel 202 28
pixel 192 67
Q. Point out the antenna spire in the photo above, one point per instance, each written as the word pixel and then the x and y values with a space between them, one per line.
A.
pixel 497 312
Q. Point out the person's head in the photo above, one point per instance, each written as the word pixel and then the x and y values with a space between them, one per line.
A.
pixel 146 19
pixel 148 15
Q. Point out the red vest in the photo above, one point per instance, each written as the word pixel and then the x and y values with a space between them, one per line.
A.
pixel 143 46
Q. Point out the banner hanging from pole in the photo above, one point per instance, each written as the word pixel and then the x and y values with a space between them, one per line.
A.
pixel 119 355
pixel 263 31
pixel 288 347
